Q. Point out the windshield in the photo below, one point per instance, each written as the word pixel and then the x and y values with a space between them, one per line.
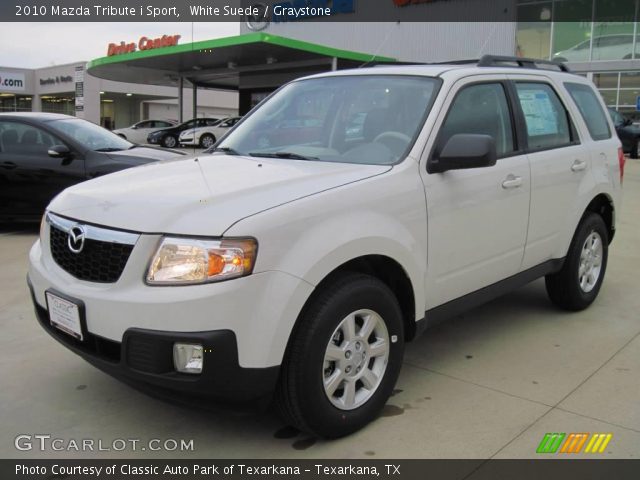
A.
pixel 370 119
pixel 91 135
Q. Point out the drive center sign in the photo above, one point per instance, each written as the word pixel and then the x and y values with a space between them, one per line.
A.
pixel 12 82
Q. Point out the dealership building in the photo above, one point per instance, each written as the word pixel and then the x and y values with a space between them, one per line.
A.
pixel 596 38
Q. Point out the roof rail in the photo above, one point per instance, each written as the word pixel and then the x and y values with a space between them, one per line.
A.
pixel 500 61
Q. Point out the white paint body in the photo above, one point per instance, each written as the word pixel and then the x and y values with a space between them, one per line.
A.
pixel 453 233
pixel 138 132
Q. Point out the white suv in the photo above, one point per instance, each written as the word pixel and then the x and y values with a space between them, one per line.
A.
pixel 301 255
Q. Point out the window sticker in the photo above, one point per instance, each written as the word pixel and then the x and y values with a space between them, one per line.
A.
pixel 539 113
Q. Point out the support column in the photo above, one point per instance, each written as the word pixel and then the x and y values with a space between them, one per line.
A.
pixel 180 99
pixel 195 99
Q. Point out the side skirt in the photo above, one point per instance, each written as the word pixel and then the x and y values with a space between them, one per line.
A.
pixel 455 307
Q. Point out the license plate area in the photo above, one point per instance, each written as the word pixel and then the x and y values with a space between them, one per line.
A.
pixel 66 314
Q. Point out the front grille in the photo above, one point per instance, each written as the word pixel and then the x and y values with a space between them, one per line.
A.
pixel 99 261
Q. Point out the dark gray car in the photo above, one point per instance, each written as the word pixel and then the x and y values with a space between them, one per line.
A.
pixel 41 154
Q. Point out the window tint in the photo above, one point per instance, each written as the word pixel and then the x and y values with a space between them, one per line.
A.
pixel 160 124
pixel 546 118
pixel 591 110
pixel 480 109
pixel 23 139
pixel 146 124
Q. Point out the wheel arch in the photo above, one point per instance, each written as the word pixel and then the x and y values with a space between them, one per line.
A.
pixel 602 204
pixel 386 269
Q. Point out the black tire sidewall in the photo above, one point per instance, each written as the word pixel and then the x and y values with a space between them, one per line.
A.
pixel 207 135
pixel 165 140
pixel 590 223
pixel 317 410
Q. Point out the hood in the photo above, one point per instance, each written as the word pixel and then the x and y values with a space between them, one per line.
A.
pixel 145 153
pixel 201 196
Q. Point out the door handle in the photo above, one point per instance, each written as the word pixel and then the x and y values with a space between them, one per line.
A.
pixel 512 182
pixel 578 165
pixel 9 165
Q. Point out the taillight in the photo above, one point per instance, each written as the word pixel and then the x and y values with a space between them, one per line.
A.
pixel 621 161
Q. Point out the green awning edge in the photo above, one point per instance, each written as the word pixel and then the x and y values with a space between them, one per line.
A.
pixel 241 40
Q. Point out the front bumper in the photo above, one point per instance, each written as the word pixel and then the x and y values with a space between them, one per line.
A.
pixel 144 359
pixel 260 309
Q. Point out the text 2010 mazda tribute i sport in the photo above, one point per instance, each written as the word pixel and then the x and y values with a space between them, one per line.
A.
pixel 332 225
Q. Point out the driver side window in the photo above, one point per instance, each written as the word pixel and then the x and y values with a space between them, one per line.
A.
pixel 480 109
pixel 18 138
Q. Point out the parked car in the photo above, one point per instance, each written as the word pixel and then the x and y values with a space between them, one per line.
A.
pixel 205 137
pixel 628 132
pixel 605 47
pixel 168 137
pixel 138 132
pixel 41 154
pixel 296 265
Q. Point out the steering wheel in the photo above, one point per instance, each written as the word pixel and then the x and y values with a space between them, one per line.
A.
pixel 395 141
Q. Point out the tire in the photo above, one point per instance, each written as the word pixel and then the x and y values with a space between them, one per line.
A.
pixel 572 288
pixel 301 398
pixel 207 140
pixel 169 141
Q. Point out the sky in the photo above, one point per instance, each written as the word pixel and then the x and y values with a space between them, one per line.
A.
pixel 35 45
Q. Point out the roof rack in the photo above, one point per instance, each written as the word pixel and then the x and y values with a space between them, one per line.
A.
pixel 500 61
pixel 496 61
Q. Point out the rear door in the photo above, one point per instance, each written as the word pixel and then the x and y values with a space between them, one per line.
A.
pixel 477 218
pixel 29 177
pixel 560 164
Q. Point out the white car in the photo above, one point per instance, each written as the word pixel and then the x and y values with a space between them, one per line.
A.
pixel 137 133
pixel 605 47
pixel 205 137
pixel 296 260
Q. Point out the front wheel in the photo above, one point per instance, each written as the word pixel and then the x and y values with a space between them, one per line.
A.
pixel 169 141
pixel 207 140
pixel 343 359
pixel 576 286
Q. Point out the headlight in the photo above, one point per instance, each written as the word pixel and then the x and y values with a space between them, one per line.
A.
pixel 183 261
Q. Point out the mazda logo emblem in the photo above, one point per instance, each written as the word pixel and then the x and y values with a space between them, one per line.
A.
pixel 75 239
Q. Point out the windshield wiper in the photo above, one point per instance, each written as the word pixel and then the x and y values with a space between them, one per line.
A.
pixel 288 155
pixel 227 150
pixel 108 149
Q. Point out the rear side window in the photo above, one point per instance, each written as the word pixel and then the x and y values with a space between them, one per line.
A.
pixel 590 109
pixel 546 118
pixel 480 109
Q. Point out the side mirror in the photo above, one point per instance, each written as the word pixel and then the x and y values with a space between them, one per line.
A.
pixel 62 152
pixel 465 150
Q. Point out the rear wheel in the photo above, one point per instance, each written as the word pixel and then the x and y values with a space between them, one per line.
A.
pixel 207 140
pixel 576 286
pixel 343 359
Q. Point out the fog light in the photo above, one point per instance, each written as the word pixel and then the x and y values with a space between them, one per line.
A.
pixel 187 357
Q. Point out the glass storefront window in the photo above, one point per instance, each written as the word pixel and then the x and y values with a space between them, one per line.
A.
pixel 628 97
pixel 613 29
pixel 533 35
pixel 606 80
pixel 14 103
pixel 610 97
pixel 58 104
pixel 630 80
pixel 572 30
